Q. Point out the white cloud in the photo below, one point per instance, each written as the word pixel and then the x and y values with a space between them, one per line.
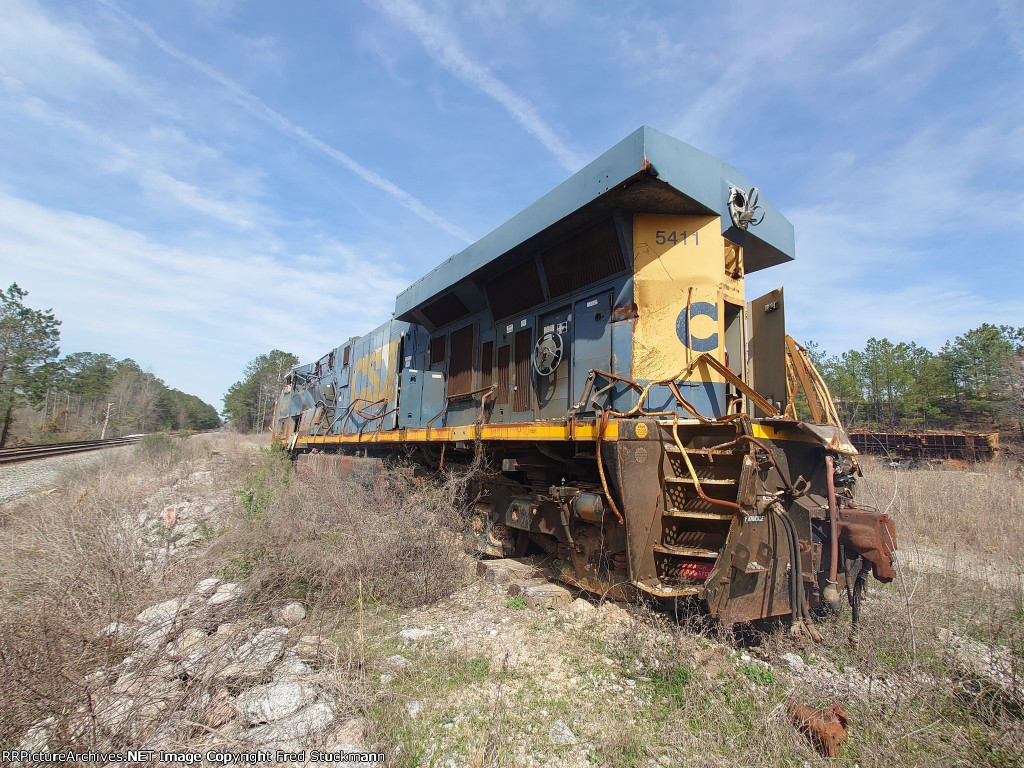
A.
pixel 871 260
pixel 448 51
pixel 213 11
pixel 265 112
pixel 147 162
pixel 202 313
pixel 61 58
pixel 1011 13
pixel 738 64
pixel 889 48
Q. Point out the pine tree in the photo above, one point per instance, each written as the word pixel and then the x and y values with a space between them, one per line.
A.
pixel 28 342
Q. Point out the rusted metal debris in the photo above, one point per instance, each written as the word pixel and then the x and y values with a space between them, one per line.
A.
pixel 925 446
pixel 826 729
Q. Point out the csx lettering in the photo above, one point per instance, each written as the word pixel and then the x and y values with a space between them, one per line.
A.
pixel 697 343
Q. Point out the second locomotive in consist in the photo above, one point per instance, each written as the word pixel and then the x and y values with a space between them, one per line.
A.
pixel 599 347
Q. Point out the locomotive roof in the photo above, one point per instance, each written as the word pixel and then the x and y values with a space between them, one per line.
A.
pixel 648 172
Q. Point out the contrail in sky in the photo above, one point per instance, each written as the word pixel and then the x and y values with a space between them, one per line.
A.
pixel 270 115
pixel 444 48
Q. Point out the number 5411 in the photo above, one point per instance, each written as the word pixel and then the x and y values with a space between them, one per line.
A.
pixel 663 236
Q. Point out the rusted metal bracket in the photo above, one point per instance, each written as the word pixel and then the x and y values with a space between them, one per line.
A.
pixel 803 375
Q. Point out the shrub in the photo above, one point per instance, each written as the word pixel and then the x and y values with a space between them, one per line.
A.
pixel 158 448
pixel 375 536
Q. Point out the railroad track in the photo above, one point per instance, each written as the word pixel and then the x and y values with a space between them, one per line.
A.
pixel 28 452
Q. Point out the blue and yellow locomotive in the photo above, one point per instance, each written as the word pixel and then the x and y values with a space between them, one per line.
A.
pixel 639 415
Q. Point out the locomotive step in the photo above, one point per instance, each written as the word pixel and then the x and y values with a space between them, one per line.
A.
pixel 703 480
pixel 701 451
pixel 668 549
pixel 695 515
pixel 667 590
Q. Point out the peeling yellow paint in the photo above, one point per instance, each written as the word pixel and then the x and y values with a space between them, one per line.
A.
pixel 683 268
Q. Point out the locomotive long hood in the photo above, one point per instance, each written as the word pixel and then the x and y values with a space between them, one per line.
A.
pixel 647 171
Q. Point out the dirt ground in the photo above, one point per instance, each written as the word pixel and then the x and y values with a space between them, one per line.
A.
pixel 203 596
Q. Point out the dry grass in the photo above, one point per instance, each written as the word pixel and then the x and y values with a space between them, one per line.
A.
pixel 978 508
pixel 367 550
pixel 74 563
pixel 78 559
pixel 376 536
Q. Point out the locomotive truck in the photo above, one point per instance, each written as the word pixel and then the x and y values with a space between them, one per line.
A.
pixel 645 427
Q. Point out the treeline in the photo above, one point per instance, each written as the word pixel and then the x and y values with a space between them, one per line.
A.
pixel 82 395
pixel 84 384
pixel 249 403
pixel 975 381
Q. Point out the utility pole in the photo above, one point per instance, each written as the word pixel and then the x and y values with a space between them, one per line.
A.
pixel 106 418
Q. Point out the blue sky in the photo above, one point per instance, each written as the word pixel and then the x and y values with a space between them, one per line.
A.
pixel 193 183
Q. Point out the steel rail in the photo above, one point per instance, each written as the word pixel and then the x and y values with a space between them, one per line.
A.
pixel 29 452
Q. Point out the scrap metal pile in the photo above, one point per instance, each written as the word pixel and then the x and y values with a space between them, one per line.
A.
pixel 928 446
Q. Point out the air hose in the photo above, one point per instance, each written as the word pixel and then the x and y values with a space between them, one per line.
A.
pixel 802 621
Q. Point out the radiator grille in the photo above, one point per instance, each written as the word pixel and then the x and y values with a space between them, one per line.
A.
pixel 592 255
pixel 460 369
pixel 515 290
pixel 487 364
pixel 445 310
pixel 524 349
pixel 503 375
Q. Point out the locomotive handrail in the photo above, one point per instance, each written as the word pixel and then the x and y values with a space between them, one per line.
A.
pixel 486 391
pixel 729 376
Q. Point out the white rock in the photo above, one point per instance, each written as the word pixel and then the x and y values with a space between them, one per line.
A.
pixel 793 661
pixel 414 708
pixel 581 606
pixel 36 738
pixel 190 640
pixel 397 661
pixel 348 737
pixel 274 701
pixel 291 667
pixel 138 699
pixel 560 733
pixel 316 647
pixel 296 731
pixel 116 629
pixel 161 611
pixel 415 633
pixel 289 614
pixel 225 595
pixel 155 634
pixel 206 587
pixel 253 658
